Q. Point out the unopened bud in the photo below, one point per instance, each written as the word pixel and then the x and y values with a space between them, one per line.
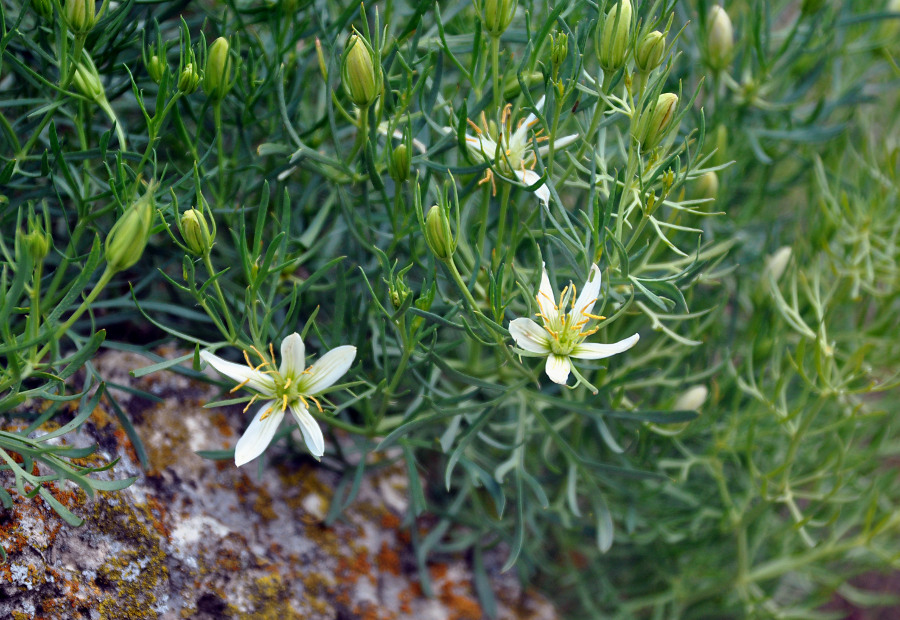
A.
pixel 217 74
pixel 692 398
pixel 649 51
pixel 362 82
pixel 195 232
pixel 81 15
pixel 189 79
pixel 720 38
pixel 128 237
pixel 777 263
pixel 399 292
pixel 156 68
pixel 706 187
pixel 655 121
pixel 615 40
pixel 36 241
pixel 559 50
pixel 398 164
pixel 44 8
pixel 437 233
pixel 498 15
pixel 87 80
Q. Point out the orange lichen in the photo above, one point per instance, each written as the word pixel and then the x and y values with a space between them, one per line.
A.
pixel 388 560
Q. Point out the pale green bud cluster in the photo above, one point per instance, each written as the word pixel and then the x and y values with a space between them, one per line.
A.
pixel 360 76
pixel 37 241
pixel 648 54
pixel 614 40
pixel 217 73
pixel 720 38
pixel 44 8
pixel 129 235
pixel 707 186
pixel 156 68
pixel 559 50
pixel 437 233
pixel 656 121
pixel 497 15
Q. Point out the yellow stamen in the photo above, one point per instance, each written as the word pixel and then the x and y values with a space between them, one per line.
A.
pixel 284 402
pixel 266 413
pixel 474 126
pixel 597 317
pixel 318 404
pixel 272 352
pixel 239 385
pixel 252 400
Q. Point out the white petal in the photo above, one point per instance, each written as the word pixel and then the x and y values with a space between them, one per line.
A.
pixel 546 297
pixel 480 145
pixel 557 368
pixel 588 295
pixel 240 373
pixel 530 336
pixel 530 177
pixel 312 434
pixel 259 434
pixel 293 356
pixel 558 144
pixel 531 119
pixel 327 370
pixel 596 351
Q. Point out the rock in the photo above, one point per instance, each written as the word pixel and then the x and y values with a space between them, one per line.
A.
pixel 197 538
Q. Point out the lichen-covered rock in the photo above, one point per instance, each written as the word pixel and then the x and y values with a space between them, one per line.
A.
pixel 195 538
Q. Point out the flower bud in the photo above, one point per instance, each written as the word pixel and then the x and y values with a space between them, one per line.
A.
pixel 44 8
pixel 217 74
pixel 37 241
pixel 649 51
pixel 398 164
pixel 128 237
pixel 655 121
pixel 189 79
pixel 706 187
pixel 196 233
pixel 559 50
pixel 87 80
pixel 721 145
pixel 81 15
pixel 399 292
pixel 156 68
pixel 437 233
pixel 615 40
pixel 497 15
pixel 720 38
pixel 692 398
pixel 362 82
pixel 777 263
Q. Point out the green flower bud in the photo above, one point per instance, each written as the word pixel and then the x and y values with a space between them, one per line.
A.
pixel 692 398
pixel 399 292
pixel 437 233
pixel 655 121
pixel 156 68
pixel 512 88
pixel 128 237
pixel 559 50
pixel 615 40
pixel 44 8
pixel 217 74
pixel 720 38
pixel 189 79
pixel 195 232
pixel 87 80
pixel 81 15
pixel 649 51
pixel 707 186
pixel 398 164
pixel 777 263
pixel 37 241
pixel 497 15
pixel 721 145
pixel 361 79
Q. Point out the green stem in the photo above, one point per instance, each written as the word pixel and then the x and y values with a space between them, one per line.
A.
pixel 220 143
pixel 495 71
pixel 398 372
pixel 232 333
pixel 501 230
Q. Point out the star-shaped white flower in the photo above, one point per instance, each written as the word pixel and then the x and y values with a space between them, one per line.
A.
pixel 514 155
pixel 289 386
pixel 562 335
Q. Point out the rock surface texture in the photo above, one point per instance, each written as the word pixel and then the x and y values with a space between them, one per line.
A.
pixel 197 538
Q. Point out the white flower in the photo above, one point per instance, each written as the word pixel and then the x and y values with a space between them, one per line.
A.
pixel 514 154
pixel 289 386
pixel 562 336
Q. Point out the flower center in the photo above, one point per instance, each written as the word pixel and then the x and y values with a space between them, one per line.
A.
pixel 567 327
pixel 286 390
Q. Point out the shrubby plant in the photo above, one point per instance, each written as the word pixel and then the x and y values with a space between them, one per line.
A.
pixel 387 191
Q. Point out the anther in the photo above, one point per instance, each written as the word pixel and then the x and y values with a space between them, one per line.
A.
pixel 239 385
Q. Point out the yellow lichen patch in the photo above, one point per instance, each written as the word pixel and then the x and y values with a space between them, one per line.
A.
pixel 271 600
